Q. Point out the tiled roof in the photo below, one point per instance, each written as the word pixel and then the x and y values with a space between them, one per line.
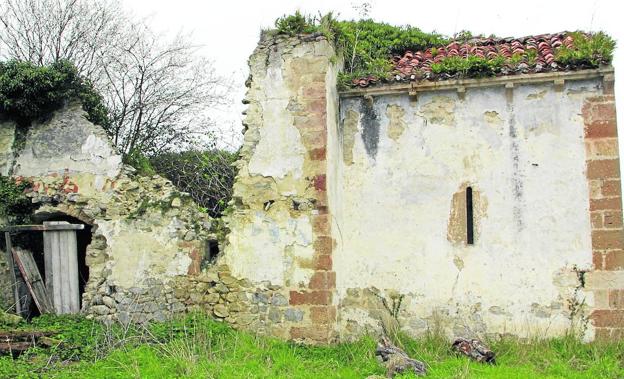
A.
pixel 413 66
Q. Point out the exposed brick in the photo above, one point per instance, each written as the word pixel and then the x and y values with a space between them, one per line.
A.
pixel 323 315
pixel 314 138
pixel 320 182
pixel 311 122
pixel 611 203
pixel 611 188
pixel 614 260
pixel 315 91
pixel 601 129
pixel 315 333
pixel 603 169
pixel 318 154
pixel 609 334
pixel 598 260
pixel 607 318
pixel 310 297
pixel 596 220
pixel 607 239
pixel 317 106
pixel 612 219
pixel 605 148
pixel 323 262
pixel 616 299
pixel 323 280
pixel 321 224
pixel 323 245
pixel 603 111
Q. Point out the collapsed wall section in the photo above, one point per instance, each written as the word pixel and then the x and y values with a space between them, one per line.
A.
pixel 280 225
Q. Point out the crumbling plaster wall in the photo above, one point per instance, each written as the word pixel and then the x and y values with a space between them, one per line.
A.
pixel 280 222
pixel 145 232
pixel 406 163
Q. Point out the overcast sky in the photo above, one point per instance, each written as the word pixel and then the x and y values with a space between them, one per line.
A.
pixel 228 30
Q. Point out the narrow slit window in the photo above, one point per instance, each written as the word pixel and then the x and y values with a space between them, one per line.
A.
pixel 469 217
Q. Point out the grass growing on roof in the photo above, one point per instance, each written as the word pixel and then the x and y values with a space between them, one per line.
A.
pixel 197 347
pixel 366 47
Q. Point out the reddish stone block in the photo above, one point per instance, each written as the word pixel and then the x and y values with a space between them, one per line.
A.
pixel 323 245
pixel 600 129
pixel 317 106
pixel 603 169
pixel 320 182
pixel 321 224
pixel 614 260
pixel 596 219
pixel 315 333
pixel 195 265
pixel 323 280
pixel 598 260
pixel 612 203
pixel 323 315
pixel 608 318
pixel 310 297
pixel 608 239
pixel 616 299
pixel 611 188
pixel 323 262
pixel 318 154
pixel 317 91
pixel 603 112
pixel 314 138
pixel 612 219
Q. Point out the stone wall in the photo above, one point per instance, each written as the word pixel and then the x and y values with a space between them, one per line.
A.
pixel 404 230
pixel 145 233
pixel 280 226
pixel 605 206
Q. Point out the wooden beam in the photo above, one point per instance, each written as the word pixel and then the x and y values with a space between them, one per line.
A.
pixel 41 228
pixel 9 248
pixel 30 272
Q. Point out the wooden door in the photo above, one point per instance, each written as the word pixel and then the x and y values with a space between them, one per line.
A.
pixel 61 267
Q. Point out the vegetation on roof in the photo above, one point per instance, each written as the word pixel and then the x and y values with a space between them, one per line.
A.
pixel 367 47
pixel 29 92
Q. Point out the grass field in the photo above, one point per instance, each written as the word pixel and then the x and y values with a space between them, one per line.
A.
pixel 196 347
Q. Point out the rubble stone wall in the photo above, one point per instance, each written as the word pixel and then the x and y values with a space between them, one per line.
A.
pixel 280 225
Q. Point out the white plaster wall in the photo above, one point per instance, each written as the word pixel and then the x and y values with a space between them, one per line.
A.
pixel 67 143
pixel 527 161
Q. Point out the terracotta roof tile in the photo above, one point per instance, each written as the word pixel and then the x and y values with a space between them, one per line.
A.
pixel 416 65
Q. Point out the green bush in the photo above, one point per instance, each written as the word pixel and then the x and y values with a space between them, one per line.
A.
pixel 29 92
pixel 208 176
pixel 589 50
pixel 14 205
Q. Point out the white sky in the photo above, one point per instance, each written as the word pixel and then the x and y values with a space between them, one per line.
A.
pixel 228 30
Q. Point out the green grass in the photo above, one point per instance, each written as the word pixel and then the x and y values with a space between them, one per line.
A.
pixel 196 347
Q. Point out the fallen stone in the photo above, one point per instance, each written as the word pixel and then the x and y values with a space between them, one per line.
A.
pixel 474 349
pixel 397 361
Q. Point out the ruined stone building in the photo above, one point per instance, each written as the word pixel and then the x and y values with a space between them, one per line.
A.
pixel 476 206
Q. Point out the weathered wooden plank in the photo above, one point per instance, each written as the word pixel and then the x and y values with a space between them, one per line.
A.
pixel 9 248
pixel 61 252
pixel 41 228
pixel 30 272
